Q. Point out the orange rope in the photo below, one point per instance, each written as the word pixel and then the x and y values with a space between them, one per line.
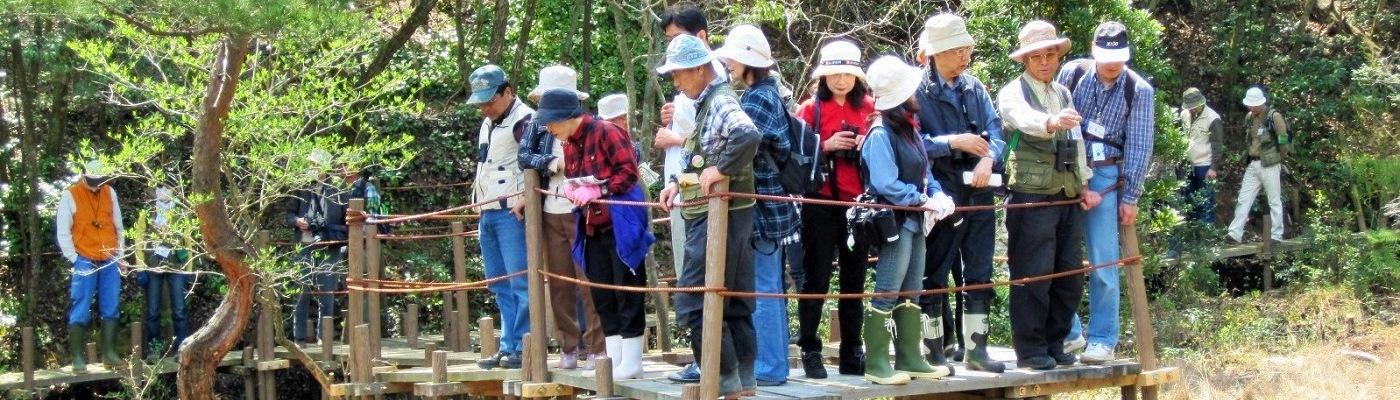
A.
pixel 422 287
pixel 439 212
pixel 633 289
pixel 417 187
pixel 471 233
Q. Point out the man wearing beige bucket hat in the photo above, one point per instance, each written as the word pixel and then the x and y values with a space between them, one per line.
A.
pixel 964 140
pixel 1045 162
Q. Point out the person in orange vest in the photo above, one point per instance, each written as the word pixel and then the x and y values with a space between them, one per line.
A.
pixel 90 235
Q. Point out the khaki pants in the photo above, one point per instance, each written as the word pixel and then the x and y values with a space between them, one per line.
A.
pixel 566 298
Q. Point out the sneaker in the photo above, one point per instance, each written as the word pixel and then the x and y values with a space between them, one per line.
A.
pixel 492 361
pixel 1064 359
pixel 1041 363
pixel 1075 345
pixel 691 374
pixel 812 365
pixel 1097 354
pixel 765 382
pixel 568 360
pixel 511 361
pixel 591 362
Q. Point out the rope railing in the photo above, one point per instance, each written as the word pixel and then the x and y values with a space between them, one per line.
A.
pixel 432 214
pixel 394 237
pixel 633 289
pixel 407 287
pixel 421 187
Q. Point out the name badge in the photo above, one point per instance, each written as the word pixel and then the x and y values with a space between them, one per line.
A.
pixel 1096 151
pixel 1076 134
pixel 1096 131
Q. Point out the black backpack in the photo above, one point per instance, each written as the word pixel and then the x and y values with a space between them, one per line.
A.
pixel 799 171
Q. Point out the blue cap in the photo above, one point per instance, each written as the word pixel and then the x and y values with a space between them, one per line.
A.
pixel 485 81
pixel 685 52
pixel 556 105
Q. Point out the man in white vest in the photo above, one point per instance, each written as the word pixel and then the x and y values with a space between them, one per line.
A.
pixel 1205 134
pixel 502 224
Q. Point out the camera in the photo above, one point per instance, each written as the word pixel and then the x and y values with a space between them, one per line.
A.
pixel 959 155
pixel 1066 155
pixel 848 155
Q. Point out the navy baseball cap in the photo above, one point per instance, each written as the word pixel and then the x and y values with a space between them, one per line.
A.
pixel 485 81
pixel 1111 43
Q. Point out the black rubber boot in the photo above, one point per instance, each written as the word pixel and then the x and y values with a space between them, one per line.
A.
pixel 975 328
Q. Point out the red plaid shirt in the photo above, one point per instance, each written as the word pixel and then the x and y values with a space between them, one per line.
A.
pixel 604 151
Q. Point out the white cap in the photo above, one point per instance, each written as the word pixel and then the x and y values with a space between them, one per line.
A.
pixel 839 57
pixel 944 32
pixel 612 106
pixel 892 81
pixel 747 45
pixel 557 77
pixel 95 169
pixel 1254 97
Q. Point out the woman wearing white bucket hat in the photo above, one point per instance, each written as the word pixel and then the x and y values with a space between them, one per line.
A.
pixel 750 62
pixel 840 112
pixel 897 171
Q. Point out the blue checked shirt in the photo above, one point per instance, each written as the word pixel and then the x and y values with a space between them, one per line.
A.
pixel 1106 106
pixel 775 220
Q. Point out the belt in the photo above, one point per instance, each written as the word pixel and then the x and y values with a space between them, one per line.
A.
pixel 1105 163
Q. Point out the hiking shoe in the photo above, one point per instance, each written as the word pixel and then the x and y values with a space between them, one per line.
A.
pixel 812 365
pixel 1041 363
pixel 511 361
pixel 1075 345
pixel 1097 354
pixel 492 361
pixel 691 374
pixel 1064 359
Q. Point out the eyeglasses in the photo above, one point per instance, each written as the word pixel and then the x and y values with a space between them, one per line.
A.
pixel 961 51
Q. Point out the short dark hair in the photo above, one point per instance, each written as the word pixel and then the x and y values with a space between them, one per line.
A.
pixel 854 97
pixel 686 16
pixel 756 74
pixel 500 90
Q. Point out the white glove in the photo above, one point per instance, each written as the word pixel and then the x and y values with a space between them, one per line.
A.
pixel 939 205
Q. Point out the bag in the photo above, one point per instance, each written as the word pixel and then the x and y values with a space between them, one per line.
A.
pixel 799 171
pixel 869 226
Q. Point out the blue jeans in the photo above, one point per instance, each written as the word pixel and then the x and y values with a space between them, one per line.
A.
pixel 90 278
pixel 769 314
pixel 900 269
pixel 320 266
pixel 1200 194
pixel 1101 239
pixel 156 284
pixel 503 252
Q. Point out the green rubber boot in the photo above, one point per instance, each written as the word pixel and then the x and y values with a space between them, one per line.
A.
pixel 908 343
pixel 877 349
pixel 77 340
pixel 109 344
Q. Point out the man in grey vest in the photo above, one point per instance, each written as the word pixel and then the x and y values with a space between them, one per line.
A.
pixel 1268 145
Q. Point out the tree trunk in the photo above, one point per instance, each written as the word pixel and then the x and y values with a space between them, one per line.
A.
pixel 586 73
pixel 498 31
pixel 207 346
pixel 459 23
pixel 24 82
pixel 624 50
pixel 418 18
pixel 651 103
pixel 566 51
pixel 522 43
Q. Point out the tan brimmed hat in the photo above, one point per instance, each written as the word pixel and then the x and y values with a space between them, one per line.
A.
pixel 1039 35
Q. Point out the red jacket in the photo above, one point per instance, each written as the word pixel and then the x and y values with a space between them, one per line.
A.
pixel 848 184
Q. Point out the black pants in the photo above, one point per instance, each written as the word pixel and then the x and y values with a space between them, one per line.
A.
pixel 1042 241
pixel 622 313
pixel 824 236
pixel 962 245
pixel 739 343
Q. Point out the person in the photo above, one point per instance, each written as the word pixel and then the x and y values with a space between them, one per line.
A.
pixel 722 149
pixel 1118 117
pixel 896 170
pixel 1045 163
pixel 502 221
pixel 1205 135
pixel 612 239
pixel 613 108
pixel 750 62
pixel 681 19
pixel 539 151
pixel 963 138
pixel 90 236
pixel 308 212
pixel 165 273
pixel 1269 145
pixel 840 113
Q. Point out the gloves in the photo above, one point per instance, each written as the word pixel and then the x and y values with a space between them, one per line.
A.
pixel 939 205
pixel 582 194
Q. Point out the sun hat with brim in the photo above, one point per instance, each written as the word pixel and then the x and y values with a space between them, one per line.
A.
pixel 839 57
pixel 95 169
pixel 944 32
pixel 747 45
pixel 1192 98
pixel 558 105
pixel 612 106
pixel 1254 97
pixel 556 77
pixel 685 52
pixel 892 81
pixel 1111 43
pixel 484 82
pixel 1039 35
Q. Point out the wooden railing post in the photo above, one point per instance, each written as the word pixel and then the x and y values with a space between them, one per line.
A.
pixel 663 317
pixel 713 314
pixel 489 344
pixel 1145 335
pixel 327 338
pixel 138 340
pixel 462 340
pixel 360 361
pixel 534 241
pixel 410 325
pixel 267 380
pixel 355 262
pixel 27 356
pixel 1266 250
pixel 373 247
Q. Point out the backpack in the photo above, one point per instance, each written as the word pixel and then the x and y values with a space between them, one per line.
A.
pixel 799 171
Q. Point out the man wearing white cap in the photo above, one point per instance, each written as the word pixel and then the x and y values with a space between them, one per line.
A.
pixel 1118 124
pixel 1268 146
pixel 539 151
pixel 89 225
pixel 963 135
pixel 721 149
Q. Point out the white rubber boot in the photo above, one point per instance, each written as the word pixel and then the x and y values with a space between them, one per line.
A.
pixel 630 355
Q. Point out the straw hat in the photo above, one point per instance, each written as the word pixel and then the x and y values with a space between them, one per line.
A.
pixel 839 57
pixel 892 81
pixel 1038 35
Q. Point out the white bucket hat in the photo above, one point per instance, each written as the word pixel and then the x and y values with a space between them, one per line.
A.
pixel 747 45
pixel 1038 35
pixel 1254 97
pixel 556 77
pixel 612 106
pixel 944 32
pixel 892 81
pixel 839 57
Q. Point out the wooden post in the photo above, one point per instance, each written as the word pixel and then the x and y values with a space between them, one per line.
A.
pixel 1146 336
pixel 602 370
pixel 713 314
pixel 327 339
pixel 489 345
pixel 428 349
pixel 663 317
pixel 439 367
pixel 457 344
pixel 1266 251
pixel 462 341
pixel 373 265
pixel 410 326
pixel 250 387
pixel 267 380
pixel 355 255
pixel 527 356
pixel 137 345
pixel 1128 392
pixel 449 319
pixel 26 336
pixel 359 350
pixel 534 241
pixel 833 327
pixel 91 349
pixel 690 391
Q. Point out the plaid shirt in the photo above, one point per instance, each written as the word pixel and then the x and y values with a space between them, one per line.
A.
pixel 604 151
pixel 1106 106
pixel 774 220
